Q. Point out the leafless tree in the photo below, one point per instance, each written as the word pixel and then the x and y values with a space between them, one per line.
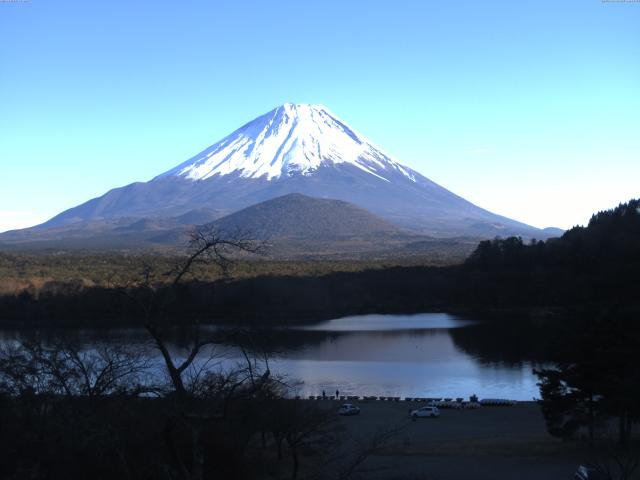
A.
pixel 211 246
pixel 203 393
pixel 349 464
pixel 62 369
pixel 616 463
pixel 301 426
pixel 207 246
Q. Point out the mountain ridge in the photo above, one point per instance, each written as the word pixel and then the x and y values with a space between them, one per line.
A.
pixel 296 148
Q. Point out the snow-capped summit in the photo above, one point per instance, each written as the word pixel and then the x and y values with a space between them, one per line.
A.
pixel 288 140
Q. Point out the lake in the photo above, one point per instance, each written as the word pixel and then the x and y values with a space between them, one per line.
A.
pixel 398 355
pixel 423 355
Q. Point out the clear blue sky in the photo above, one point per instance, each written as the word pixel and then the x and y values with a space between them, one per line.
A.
pixel 528 108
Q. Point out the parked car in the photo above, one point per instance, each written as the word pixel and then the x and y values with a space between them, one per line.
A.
pixel 585 472
pixel 348 409
pixel 430 412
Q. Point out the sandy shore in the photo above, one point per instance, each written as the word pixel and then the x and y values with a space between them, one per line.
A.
pixel 488 443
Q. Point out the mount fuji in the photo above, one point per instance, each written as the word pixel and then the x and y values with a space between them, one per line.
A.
pixel 295 148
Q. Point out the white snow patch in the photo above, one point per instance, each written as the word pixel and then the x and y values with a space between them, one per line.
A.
pixel 293 138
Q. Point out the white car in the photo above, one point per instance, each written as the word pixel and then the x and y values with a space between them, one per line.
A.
pixel 429 412
pixel 348 409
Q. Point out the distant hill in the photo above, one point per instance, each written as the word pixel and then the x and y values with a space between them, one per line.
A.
pixel 551 232
pixel 299 216
pixel 295 227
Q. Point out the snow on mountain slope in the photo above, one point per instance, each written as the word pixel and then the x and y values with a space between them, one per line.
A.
pixel 291 139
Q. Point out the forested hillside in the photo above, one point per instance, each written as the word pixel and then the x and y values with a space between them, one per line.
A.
pixel 587 268
pixel 587 264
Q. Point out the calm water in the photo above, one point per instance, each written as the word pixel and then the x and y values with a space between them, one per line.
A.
pixel 399 355
pixel 429 355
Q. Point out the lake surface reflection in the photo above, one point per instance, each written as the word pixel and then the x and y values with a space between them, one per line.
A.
pixel 418 356
pixel 427 355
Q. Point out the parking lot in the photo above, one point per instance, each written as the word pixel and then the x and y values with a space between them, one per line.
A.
pixel 489 443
